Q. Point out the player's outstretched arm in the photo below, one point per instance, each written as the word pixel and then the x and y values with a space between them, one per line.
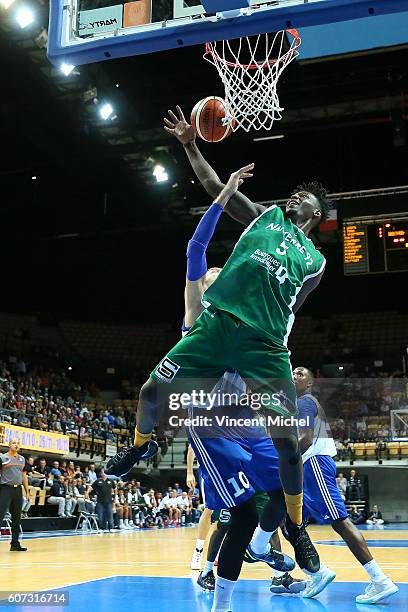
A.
pixel 197 264
pixel 240 208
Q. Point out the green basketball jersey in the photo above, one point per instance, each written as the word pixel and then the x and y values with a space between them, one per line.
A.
pixel 265 272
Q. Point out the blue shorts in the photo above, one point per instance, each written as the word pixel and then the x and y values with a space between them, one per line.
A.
pixel 321 498
pixel 233 468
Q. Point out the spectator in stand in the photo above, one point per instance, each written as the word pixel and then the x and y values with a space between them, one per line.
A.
pixel 152 507
pixel 91 475
pixel 120 421
pixel 35 479
pixel 137 504
pixel 71 501
pixel 104 489
pixel 55 470
pixel 63 468
pixel 71 469
pixel 342 485
pixel 177 488
pixel 185 507
pixel 356 515
pixel 353 486
pixel 123 510
pixel 58 494
pixel 361 427
pixel 375 517
pixel 42 468
pixel 140 489
pixel 362 409
pixel 78 472
pixel 82 496
pixel 168 506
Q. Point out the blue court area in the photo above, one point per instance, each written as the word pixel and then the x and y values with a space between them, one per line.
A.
pixel 127 593
pixel 371 543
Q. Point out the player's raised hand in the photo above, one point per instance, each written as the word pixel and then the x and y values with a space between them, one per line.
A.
pixel 178 126
pixel 235 180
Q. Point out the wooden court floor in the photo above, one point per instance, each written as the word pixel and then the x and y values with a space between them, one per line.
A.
pixel 52 562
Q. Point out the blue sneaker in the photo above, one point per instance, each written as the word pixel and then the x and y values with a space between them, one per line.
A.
pixel 286 585
pixel 123 462
pixel 276 560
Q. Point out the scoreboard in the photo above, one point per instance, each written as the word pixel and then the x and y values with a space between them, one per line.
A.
pixel 372 245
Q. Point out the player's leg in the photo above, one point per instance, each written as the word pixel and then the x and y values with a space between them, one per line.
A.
pixel 381 586
pixel 323 502
pixel 266 369
pixel 282 582
pixel 204 525
pixel 244 519
pixel 16 503
pixel 221 518
pixel 193 364
pixel 264 472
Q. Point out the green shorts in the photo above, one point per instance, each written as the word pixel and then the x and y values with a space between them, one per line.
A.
pixel 219 341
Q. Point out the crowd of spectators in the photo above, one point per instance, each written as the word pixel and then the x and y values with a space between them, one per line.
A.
pixel 359 406
pixel 73 489
pixel 49 400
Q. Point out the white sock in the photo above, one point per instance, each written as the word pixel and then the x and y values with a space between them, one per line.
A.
pixel 223 595
pixel 120 522
pixel 260 541
pixel 208 567
pixel 126 521
pixel 374 571
pixel 199 544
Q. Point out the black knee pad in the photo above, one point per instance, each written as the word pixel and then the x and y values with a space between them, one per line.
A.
pixel 244 518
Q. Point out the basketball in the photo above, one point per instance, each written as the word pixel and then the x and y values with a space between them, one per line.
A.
pixel 206 119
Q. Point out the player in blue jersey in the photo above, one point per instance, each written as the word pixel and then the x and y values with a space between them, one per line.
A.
pixel 207 446
pixel 322 500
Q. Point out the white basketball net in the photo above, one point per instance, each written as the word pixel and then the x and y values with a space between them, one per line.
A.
pixel 251 97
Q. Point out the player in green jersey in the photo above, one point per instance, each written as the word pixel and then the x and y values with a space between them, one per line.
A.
pixel 251 308
pixel 245 327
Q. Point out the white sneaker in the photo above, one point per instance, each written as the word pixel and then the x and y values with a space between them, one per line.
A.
pixel 196 559
pixel 318 582
pixel 377 591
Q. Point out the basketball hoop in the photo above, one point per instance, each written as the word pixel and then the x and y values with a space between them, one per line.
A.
pixel 249 69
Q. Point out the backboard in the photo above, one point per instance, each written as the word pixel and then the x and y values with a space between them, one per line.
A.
pixel 86 31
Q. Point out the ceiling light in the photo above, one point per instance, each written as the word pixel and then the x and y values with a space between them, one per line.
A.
pixel 24 17
pixel 160 174
pixel 105 111
pixel 6 3
pixel 269 137
pixel 66 69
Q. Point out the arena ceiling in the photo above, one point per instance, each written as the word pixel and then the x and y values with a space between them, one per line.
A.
pixel 344 123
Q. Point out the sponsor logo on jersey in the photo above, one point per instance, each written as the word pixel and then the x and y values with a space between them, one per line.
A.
pixel 167 370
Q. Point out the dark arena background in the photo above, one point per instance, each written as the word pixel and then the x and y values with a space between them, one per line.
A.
pixel 98 204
